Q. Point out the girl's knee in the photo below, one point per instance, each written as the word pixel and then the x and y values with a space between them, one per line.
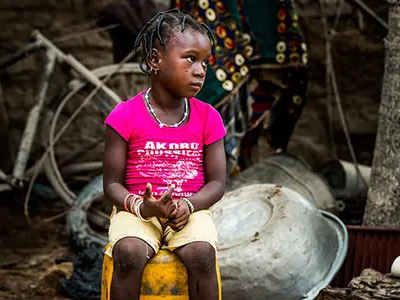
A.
pixel 198 257
pixel 130 255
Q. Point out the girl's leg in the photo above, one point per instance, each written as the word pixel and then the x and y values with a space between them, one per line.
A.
pixel 130 256
pixel 199 260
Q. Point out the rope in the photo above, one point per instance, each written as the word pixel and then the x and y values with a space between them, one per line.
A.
pixel 338 15
pixel 330 71
pixel 329 86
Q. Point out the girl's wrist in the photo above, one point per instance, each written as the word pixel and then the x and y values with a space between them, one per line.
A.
pixel 129 202
pixel 189 204
pixel 145 211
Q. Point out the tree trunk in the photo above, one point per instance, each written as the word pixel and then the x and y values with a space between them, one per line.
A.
pixel 383 203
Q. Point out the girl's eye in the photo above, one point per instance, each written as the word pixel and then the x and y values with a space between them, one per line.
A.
pixel 204 63
pixel 191 59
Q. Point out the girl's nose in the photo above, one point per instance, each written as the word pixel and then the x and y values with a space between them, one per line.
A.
pixel 199 71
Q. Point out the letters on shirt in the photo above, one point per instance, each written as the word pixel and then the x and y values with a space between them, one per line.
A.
pixel 175 163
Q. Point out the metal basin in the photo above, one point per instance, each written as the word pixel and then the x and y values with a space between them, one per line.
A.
pixel 275 244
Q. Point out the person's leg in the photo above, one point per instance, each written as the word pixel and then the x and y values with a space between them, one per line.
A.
pixel 200 261
pixel 130 256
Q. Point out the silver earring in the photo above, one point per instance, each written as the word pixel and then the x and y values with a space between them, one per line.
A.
pixel 155 71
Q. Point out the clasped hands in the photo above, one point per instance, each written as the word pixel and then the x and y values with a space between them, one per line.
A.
pixel 176 212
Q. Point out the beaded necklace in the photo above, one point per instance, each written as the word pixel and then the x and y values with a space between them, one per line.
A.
pixel 153 112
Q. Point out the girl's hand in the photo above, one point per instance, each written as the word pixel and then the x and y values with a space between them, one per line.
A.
pixel 162 207
pixel 181 217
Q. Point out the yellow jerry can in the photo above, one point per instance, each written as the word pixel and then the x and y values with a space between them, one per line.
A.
pixel 164 277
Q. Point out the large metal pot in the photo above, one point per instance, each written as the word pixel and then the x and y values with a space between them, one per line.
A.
pixel 275 244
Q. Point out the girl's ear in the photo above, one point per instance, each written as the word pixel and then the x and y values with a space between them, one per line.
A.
pixel 154 60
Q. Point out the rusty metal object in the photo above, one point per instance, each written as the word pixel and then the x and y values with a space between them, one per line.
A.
pixel 369 247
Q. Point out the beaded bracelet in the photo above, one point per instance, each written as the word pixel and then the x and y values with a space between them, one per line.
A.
pixel 129 202
pixel 126 200
pixel 138 204
pixel 191 207
pixel 133 202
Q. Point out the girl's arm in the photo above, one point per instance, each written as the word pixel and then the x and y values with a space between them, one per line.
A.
pixel 215 177
pixel 114 161
pixel 211 192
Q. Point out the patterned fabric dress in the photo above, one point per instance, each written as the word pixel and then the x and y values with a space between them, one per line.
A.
pixel 262 39
pixel 234 46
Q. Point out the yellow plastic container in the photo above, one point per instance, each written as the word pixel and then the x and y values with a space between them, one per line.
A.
pixel 164 277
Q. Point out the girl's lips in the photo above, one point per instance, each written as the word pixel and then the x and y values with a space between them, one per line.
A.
pixel 197 84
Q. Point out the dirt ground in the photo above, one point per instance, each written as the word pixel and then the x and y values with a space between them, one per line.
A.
pixel 27 255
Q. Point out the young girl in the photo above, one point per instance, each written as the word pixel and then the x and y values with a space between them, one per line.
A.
pixel 164 161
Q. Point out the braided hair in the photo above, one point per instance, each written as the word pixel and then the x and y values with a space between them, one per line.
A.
pixel 162 27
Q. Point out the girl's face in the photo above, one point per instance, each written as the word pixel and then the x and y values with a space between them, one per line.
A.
pixel 183 63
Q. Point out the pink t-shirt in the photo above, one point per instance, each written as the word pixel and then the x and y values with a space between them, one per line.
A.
pixel 165 156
